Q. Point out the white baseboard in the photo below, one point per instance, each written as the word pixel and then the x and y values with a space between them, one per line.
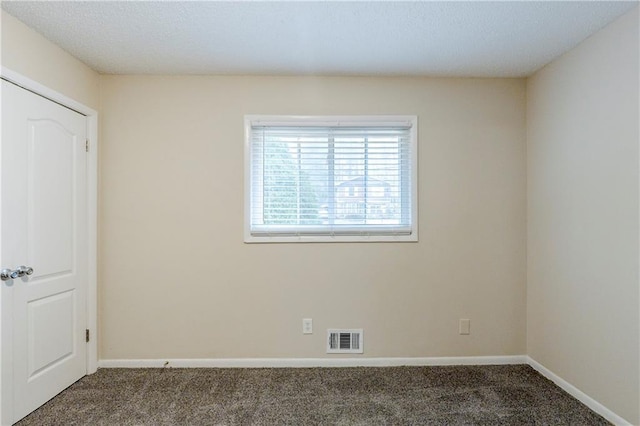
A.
pixel 578 394
pixel 309 362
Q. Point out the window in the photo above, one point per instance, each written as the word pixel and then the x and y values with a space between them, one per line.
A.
pixel 330 178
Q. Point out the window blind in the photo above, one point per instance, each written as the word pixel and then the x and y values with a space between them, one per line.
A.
pixel 331 180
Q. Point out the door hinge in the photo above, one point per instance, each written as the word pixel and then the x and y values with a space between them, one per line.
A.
pixel 86 145
pixel 86 335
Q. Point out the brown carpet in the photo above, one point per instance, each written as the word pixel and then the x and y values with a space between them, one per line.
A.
pixel 459 395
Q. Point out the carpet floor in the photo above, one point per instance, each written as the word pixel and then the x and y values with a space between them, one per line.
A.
pixel 456 395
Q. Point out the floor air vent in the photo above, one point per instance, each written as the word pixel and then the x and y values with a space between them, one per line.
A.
pixel 344 341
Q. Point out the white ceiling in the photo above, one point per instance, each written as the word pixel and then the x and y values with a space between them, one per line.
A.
pixel 471 38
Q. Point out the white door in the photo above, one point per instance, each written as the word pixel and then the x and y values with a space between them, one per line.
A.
pixel 44 227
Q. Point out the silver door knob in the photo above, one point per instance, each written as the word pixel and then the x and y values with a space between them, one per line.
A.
pixel 20 271
pixel 25 270
pixel 5 274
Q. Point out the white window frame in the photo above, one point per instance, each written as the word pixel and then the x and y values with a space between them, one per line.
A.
pixel 296 120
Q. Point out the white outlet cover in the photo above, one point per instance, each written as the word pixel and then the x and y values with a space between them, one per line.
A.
pixel 307 326
pixel 465 326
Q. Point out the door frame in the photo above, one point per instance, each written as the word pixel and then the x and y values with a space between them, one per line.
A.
pixel 6 387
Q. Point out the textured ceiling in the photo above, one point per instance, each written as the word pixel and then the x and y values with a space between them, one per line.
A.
pixel 482 39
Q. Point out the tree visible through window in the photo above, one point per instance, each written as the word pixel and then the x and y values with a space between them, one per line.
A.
pixel 338 180
pixel 289 197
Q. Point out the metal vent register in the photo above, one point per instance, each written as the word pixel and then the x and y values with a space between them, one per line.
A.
pixel 344 341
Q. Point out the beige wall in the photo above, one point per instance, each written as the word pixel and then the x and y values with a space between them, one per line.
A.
pixel 582 164
pixel 177 281
pixel 28 53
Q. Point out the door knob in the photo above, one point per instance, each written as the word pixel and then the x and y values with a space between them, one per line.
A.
pixel 20 271
pixel 5 274
pixel 25 270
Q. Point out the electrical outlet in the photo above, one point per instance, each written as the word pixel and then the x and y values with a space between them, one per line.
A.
pixel 465 326
pixel 307 326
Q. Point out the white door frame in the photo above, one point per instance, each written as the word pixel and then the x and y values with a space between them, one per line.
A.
pixel 92 230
